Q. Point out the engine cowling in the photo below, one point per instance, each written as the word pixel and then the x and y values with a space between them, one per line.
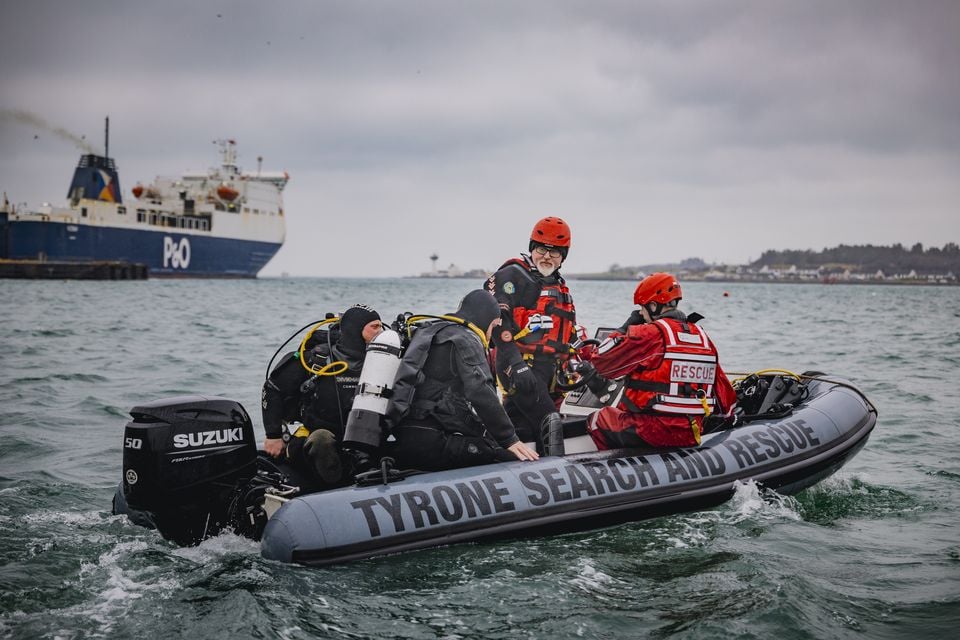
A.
pixel 183 460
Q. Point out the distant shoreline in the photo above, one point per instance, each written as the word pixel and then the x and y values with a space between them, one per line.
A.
pixel 896 283
pixel 608 278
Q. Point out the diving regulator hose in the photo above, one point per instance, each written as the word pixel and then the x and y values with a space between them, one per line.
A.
pixel 330 369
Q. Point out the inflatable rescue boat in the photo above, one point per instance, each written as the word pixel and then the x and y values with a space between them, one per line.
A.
pixel 191 469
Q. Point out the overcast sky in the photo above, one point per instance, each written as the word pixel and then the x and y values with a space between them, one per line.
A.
pixel 658 130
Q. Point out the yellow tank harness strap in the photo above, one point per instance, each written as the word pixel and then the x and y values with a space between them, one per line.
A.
pixel 334 368
pixel 425 316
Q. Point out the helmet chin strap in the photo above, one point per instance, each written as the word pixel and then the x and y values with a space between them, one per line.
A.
pixel 659 309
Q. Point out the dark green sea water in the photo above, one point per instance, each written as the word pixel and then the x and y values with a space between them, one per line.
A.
pixel 873 552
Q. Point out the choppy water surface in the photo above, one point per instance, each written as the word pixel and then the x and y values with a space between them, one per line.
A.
pixel 872 552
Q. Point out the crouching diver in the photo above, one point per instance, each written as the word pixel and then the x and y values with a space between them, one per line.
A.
pixel 445 411
pixel 674 382
pixel 307 397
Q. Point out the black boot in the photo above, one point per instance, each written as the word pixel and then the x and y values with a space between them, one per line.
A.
pixel 359 461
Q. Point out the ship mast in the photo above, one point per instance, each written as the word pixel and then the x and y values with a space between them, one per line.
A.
pixel 228 155
pixel 106 138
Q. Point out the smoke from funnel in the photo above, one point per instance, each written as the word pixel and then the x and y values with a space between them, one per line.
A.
pixel 29 119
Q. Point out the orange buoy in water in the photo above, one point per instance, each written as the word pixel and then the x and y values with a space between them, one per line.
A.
pixel 726 294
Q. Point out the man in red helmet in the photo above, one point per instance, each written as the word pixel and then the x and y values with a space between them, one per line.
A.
pixel 674 380
pixel 538 325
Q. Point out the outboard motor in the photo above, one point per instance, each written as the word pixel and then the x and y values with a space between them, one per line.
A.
pixel 184 461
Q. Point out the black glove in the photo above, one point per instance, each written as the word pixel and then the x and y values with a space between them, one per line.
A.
pixel 524 380
pixel 635 318
pixel 320 449
pixel 360 461
pixel 595 382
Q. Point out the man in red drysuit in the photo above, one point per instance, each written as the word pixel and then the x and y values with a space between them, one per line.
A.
pixel 674 380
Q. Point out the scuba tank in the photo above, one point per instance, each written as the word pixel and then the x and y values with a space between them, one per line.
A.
pixel 363 430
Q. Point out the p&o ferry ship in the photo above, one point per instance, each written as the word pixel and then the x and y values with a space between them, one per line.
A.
pixel 217 223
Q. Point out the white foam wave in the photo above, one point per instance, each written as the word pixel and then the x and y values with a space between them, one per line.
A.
pixel 75 518
pixel 842 483
pixel 694 533
pixel 217 547
pixel 750 502
pixel 589 578
pixel 116 589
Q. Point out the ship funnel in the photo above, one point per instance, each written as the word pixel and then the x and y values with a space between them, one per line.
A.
pixel 96 177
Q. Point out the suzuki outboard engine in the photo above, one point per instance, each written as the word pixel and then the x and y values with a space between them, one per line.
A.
pixel 185 460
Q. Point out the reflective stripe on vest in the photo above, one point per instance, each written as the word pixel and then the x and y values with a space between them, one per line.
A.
pixel 687 372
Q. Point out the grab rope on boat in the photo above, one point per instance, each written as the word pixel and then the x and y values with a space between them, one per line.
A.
pixel 385 474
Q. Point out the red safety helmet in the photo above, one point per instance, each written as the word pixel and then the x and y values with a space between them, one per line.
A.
pixel 552 232
pixel 657 287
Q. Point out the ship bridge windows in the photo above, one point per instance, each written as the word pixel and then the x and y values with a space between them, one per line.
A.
pixel 122 210
pixel 141 215
pixel 83 212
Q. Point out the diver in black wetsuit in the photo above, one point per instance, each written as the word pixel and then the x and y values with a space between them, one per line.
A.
pixel 445 411
pixel 315 407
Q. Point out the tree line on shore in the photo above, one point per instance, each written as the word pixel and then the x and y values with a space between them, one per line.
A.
pixel 868 258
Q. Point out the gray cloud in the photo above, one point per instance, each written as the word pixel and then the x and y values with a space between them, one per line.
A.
pixel 661 130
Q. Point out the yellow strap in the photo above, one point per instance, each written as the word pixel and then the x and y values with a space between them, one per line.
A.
pixel 301 432
pixel 764 372
pixel 706 406
pixel 425 316
pixel 334 368
pixel 696 430
pixel 523 333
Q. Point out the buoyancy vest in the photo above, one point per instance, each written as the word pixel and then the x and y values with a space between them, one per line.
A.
pixel 291 394
pixel 434 397
pixel 555 301
pixel 683 383
pixel 326 400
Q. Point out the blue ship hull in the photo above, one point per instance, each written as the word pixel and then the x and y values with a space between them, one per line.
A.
pixel 166 252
